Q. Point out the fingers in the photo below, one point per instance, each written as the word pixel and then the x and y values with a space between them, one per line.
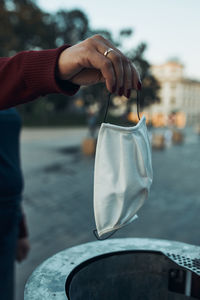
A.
pixel 127 76
pixel 118 68
pixel 136 77
pixel 107 70
pixel 88 63
pixel 128 80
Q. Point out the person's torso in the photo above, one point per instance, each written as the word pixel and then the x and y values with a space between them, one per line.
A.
pixel 11 179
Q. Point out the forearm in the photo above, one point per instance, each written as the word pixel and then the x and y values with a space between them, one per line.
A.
pixel 31 74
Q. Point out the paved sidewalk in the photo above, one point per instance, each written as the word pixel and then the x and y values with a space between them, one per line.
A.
pixel 58 195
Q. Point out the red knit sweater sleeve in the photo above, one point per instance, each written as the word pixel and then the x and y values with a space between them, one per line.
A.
pixel 31 74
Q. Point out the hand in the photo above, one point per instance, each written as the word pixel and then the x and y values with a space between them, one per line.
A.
pixel 23 248
pixel 86 64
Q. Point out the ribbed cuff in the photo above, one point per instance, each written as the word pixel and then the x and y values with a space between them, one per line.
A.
pixel 40 73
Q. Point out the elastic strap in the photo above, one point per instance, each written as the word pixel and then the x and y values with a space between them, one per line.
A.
pixel 138 105
pixel 107 106
pixel 108 103
pixel 102 239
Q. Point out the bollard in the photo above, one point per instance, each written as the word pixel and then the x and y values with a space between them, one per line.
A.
pixel 158 141
pixel 177 137
pixel 89 146
pixel 117 269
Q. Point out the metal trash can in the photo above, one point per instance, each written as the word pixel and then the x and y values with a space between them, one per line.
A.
pixel 117 269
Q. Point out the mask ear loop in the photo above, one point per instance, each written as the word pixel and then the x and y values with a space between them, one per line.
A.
pixel 108 103
pixel 138 105
pixel 107 106
pixel 102 239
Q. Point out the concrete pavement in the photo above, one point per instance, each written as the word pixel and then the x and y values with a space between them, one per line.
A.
pixel 58 195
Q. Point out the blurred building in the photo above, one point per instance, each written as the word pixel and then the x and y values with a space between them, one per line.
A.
pixel 177 94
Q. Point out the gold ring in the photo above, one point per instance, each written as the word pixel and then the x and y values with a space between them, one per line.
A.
pixel 107 51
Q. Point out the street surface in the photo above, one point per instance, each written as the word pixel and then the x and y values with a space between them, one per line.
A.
pixel 58 195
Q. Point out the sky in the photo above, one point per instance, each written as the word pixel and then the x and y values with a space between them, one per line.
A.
pixel 170 28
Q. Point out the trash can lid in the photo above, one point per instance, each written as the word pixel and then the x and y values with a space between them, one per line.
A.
pixel 48 280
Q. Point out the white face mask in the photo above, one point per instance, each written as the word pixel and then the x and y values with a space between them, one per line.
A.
pixel 123 175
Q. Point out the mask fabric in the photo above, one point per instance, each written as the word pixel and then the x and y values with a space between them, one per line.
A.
pixel 123 175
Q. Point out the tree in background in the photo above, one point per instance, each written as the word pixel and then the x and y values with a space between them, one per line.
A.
pixel 24 26
pixel 150 86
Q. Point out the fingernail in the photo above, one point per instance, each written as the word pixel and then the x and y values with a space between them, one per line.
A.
pixel 121 90
pixel 128 93
pixel 139 85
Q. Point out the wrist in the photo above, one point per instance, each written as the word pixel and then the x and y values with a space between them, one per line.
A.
pixel 68 63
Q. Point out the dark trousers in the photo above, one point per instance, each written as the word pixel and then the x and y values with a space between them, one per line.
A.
pixel 9 220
